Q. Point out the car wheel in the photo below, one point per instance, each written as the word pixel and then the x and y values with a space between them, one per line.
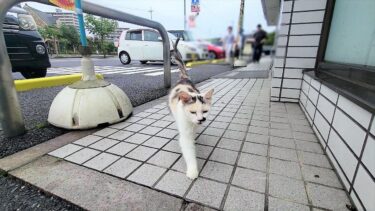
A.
pixel 124 58
pixel 40 73
pixel 143 62
pixel 211 55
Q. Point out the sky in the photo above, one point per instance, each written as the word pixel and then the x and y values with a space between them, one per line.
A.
pixel 215 15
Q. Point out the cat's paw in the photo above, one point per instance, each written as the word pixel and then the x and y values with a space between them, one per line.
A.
pixel 192 173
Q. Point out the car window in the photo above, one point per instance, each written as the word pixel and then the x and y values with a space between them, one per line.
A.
pixel 151 35
pixel 134 35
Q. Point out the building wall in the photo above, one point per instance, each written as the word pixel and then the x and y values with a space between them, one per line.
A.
pixel 346 131
pixel 298 36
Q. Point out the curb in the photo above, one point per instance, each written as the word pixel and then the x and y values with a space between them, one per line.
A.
pixel 214 61
pixel 37 83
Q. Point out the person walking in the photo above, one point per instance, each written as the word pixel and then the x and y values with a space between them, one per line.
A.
pixel 228 42
pixel 259 38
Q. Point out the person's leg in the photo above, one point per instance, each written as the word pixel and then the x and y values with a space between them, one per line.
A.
pixel 260 52
pixel 254 54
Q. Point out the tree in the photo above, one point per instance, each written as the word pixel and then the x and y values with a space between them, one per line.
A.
pixel 100 27
pixel 51 33
pixel 270 38
pixel 70 36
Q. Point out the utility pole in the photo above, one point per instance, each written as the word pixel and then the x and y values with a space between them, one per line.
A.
pixel 151 11
pixel 184 14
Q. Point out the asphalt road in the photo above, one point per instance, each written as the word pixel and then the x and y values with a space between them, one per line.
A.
pixel 142 83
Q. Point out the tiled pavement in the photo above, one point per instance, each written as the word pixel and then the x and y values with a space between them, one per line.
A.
pixel 252 154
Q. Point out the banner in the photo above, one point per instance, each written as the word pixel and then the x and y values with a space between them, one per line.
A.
pixel 65 4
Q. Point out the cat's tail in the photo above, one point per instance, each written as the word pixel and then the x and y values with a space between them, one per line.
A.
pixel 178 60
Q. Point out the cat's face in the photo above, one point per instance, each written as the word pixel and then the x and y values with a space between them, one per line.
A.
pixel 196 106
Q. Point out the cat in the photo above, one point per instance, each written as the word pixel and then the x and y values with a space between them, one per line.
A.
pixel 189 108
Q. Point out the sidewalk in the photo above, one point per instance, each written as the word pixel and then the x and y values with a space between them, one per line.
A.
pixel 253 155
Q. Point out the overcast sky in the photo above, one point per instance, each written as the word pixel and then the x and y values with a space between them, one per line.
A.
pixel 212 21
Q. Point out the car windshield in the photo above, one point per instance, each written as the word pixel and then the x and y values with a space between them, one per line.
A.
pixel 186 35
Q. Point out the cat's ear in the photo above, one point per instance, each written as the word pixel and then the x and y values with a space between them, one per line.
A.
pixel 184 97
pixel 208 94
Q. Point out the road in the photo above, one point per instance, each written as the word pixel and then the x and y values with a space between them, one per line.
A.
pixel 142 83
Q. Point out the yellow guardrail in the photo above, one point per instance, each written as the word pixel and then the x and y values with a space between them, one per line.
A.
pixel 196 63
pixel 37 83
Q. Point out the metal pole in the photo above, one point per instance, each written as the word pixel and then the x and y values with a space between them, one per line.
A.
pixel 10 110
pixel 82 32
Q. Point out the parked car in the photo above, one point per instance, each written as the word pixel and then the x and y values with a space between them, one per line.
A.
pixel 26 48
pixel 214 51
pixel 146 45
pixel 202 49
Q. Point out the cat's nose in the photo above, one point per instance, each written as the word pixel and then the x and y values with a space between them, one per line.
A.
pixel 202 120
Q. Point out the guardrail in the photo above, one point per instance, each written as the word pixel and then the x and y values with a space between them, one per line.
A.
pixel 10 110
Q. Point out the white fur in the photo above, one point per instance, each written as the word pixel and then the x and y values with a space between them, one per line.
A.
pixel 186 130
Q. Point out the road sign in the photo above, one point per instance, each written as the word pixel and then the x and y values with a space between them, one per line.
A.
pixel 195 6
pixel 194 2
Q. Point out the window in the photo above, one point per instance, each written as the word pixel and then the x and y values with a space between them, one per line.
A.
pixel 151 35
pixel 134 35
pixel 352 33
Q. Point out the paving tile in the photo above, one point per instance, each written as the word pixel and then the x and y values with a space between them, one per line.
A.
pixel 152 110
pixel 120 125
pixel 207 192
pixel 302 128
pixel 164 112
pixel 168 118
pixel 133 119
pixel 82 155
pixel 207 140
pixel 180 165
pixel 227 114
pixel 174 182
pixel 250 179
pixel 305 136
pixel 281 133
pixel 121 135
pixel 261 117
pixel 225 156
pixel 101 161
pixel 258 123
pixel 172 126
pixel 314 159
pixel 137 138
pixel 214 131
pixel 275 204
pixel 282 142
pixel 283 126
pixel 167 133
pixel 221 125
pixel 104 144
pixel 321 176
pixel 142 114
pixel 156 142
pixel 150 130
pixel 241 121
pixel 123 167
pixel 253 161
pixel 147 174
pixel 121 148
pixel 105 132
pixel 65 150
pixel 156 116
pixel 161 123
pixel 141 153
pixel 90 139
pixel 163 159
pixel 286 188
pixel 329 198
pixel 203 151
pixel 257 138
pixel 258 130
pixel 309 146
pixel 237 127
pixel 258 149
pixel 146 121
pixel 217 171
pixel 223 119
pixel 173 146
pixel 230 144
pixel 135 127
pixel 283 153
pixel 239 199
pixel 285 168
pixel 231 134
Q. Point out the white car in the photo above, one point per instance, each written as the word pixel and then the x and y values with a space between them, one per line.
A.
pixel 202 49
pixel 146 45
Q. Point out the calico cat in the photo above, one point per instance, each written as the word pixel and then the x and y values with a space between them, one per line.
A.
pixel 189 108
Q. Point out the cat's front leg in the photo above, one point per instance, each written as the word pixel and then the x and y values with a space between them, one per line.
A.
pixel 188 151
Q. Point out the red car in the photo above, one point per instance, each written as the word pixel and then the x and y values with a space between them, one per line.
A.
pixel 214 51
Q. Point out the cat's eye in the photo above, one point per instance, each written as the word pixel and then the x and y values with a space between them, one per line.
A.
pixel 205 112
pixel 193 112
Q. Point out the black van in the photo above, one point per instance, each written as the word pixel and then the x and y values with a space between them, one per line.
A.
pixel 26 48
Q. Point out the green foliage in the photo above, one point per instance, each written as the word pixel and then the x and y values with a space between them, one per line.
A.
pixel 70 37
pixel 270 38
pixel 101 28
